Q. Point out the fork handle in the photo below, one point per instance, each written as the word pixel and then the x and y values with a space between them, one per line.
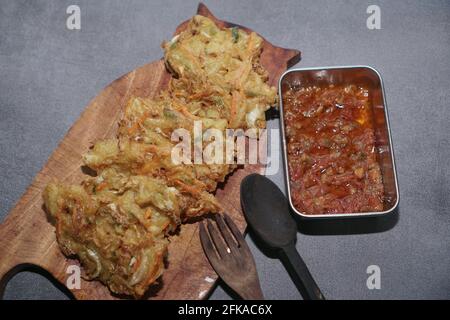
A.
pixel 252 292
pixel 300 273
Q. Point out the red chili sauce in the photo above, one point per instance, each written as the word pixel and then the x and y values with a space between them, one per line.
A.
pixel 331 150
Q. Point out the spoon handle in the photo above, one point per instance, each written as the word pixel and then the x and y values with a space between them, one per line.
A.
pixel 300 273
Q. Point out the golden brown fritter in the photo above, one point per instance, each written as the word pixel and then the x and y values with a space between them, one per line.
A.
pixel 218 74
pixel 117 242
pixel 117 222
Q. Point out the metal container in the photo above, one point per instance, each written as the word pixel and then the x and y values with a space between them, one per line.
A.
pixel 366 77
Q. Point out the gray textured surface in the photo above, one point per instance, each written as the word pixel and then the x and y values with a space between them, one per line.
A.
pixel 48 74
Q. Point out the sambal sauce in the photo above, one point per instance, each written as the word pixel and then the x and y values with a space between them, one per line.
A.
pixel 331 150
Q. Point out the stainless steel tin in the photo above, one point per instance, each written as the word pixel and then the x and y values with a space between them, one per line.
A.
pixel 343 75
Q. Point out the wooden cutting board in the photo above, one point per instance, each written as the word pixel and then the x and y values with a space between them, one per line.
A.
pixel 28 238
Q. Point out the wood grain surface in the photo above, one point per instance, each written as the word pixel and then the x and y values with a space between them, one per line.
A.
pixel 28 237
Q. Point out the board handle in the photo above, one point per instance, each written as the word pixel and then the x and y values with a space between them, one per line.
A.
pixel 7 272
pixel 28 242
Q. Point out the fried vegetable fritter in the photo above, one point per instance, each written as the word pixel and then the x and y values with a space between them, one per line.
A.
pixel 118 242
pixel 218 73
pixel 117 222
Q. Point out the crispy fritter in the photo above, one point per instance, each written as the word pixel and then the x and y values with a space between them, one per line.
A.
pixel 218 73
pixel 117 222
pixel 118 242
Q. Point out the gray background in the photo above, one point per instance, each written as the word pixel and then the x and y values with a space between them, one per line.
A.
pixel 48 74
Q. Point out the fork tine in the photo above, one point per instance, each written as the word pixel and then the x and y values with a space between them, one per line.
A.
pixel 236 233
pixel 226 233
pixel 208 246
pixel 219 243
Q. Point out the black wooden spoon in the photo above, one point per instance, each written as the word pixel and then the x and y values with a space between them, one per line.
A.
pixel 267 212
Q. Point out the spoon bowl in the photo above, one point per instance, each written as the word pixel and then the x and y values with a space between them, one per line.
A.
pixel 267 211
